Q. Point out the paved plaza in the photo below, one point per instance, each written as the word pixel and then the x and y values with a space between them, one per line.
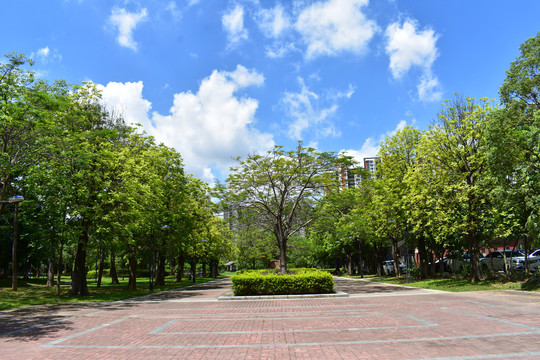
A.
pixel 375 321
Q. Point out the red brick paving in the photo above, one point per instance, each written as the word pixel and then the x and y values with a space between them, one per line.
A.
pixel 377 321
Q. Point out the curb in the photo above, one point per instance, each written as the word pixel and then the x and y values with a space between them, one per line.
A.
pixel 230 296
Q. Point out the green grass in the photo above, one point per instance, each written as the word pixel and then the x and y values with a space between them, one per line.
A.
pixel 34 291
pixel 452 284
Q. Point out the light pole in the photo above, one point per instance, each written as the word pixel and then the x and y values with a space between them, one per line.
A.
pixel 151 286
pixel 14 268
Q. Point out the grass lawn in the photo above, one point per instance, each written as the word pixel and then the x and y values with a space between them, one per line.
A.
pixel 34 291
pixel 451 284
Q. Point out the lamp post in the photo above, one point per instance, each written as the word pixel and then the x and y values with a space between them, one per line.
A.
pixel 14 268
pixel 151 286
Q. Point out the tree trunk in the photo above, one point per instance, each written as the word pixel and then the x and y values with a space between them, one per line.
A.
pixel 397 269
pixel 180 270
pixel 423 257
pixel 79 286
pixel 204 269
pixel 50 271
pixel 282 255
pixel 360 260
pixel 132 265
pixel 193 265
pixel 100 270
pixel 113 273
pixel 160 276
pixel 59 268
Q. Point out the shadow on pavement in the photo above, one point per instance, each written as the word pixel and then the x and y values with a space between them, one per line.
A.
pixel 34 322
pixel 354 286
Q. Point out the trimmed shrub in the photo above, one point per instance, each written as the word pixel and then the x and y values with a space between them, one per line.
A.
pixel 273 282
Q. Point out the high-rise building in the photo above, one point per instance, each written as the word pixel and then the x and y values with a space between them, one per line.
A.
pixel 370 164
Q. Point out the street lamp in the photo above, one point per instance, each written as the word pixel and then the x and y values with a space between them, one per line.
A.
pixel 14 268
pixel 151 286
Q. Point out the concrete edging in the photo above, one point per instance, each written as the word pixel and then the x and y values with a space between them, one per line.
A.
pixel 230 296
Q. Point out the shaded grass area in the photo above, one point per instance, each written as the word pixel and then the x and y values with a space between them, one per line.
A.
pixel 34 291
pixel 452 284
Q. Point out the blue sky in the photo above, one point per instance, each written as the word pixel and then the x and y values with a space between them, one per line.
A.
pixel 217 79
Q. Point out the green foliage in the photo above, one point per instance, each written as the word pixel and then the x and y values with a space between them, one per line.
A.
pixel 268 282
pixel 280 189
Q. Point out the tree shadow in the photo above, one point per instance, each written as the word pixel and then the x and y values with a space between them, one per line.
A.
pixel 35 322
pixel 351 286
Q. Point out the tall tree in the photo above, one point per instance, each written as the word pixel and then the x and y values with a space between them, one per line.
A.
pixel 398 155
pixel 281 188
pixel 455 146
pixel 514 138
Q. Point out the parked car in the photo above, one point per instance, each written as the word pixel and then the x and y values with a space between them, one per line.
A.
pixel 515 259
pixel 456 262
pixel 388 267
pixel 534 260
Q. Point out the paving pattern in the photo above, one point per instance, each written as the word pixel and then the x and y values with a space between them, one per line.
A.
pixel 376 321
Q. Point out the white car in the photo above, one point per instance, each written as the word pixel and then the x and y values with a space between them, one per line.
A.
pixel 534 260
pixel 388 267
pixel 515 259
pixel 456 262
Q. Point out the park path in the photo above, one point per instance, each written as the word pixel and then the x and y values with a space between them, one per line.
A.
pixel 375 321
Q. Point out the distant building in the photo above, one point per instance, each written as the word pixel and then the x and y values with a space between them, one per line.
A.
pixel 370 164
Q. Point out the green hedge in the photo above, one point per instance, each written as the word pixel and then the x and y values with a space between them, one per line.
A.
pixel 272 282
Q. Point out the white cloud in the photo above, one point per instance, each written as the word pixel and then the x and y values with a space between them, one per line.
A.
pixel 335 26
pixel 126 99
pixel 408 47
pixel 233 23
pixel 126 22
pixel 369 149
pixel 428 89
pixel 273 22
pixel 209 128
pixel 46 55
pixel 279 49
pixel 43 52
pixel 174 11
pixel 308 111
pixel 371 146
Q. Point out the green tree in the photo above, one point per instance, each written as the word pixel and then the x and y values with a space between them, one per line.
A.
pixel 455 146
pixel 398 155
pixel 514 138
pixel 282 187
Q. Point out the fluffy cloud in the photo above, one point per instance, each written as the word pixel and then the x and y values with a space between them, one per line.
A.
pixel 371 146
pixel 45 55
pixel 125 22
pixel 428 88
pixel 335 26
pixel 126 99
pixel 233 23
pixel 408 47
pixel 304 108
pixel 209 128
pixel 273 22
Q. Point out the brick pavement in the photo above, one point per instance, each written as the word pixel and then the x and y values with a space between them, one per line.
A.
pixel 376 321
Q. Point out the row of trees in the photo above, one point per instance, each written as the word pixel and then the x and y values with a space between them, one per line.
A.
pixel 469 179
pixel 94 186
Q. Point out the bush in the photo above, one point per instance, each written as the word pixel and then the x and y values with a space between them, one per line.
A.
pixel 272 282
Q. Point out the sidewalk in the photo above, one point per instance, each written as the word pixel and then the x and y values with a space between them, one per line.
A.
pixel 375 321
